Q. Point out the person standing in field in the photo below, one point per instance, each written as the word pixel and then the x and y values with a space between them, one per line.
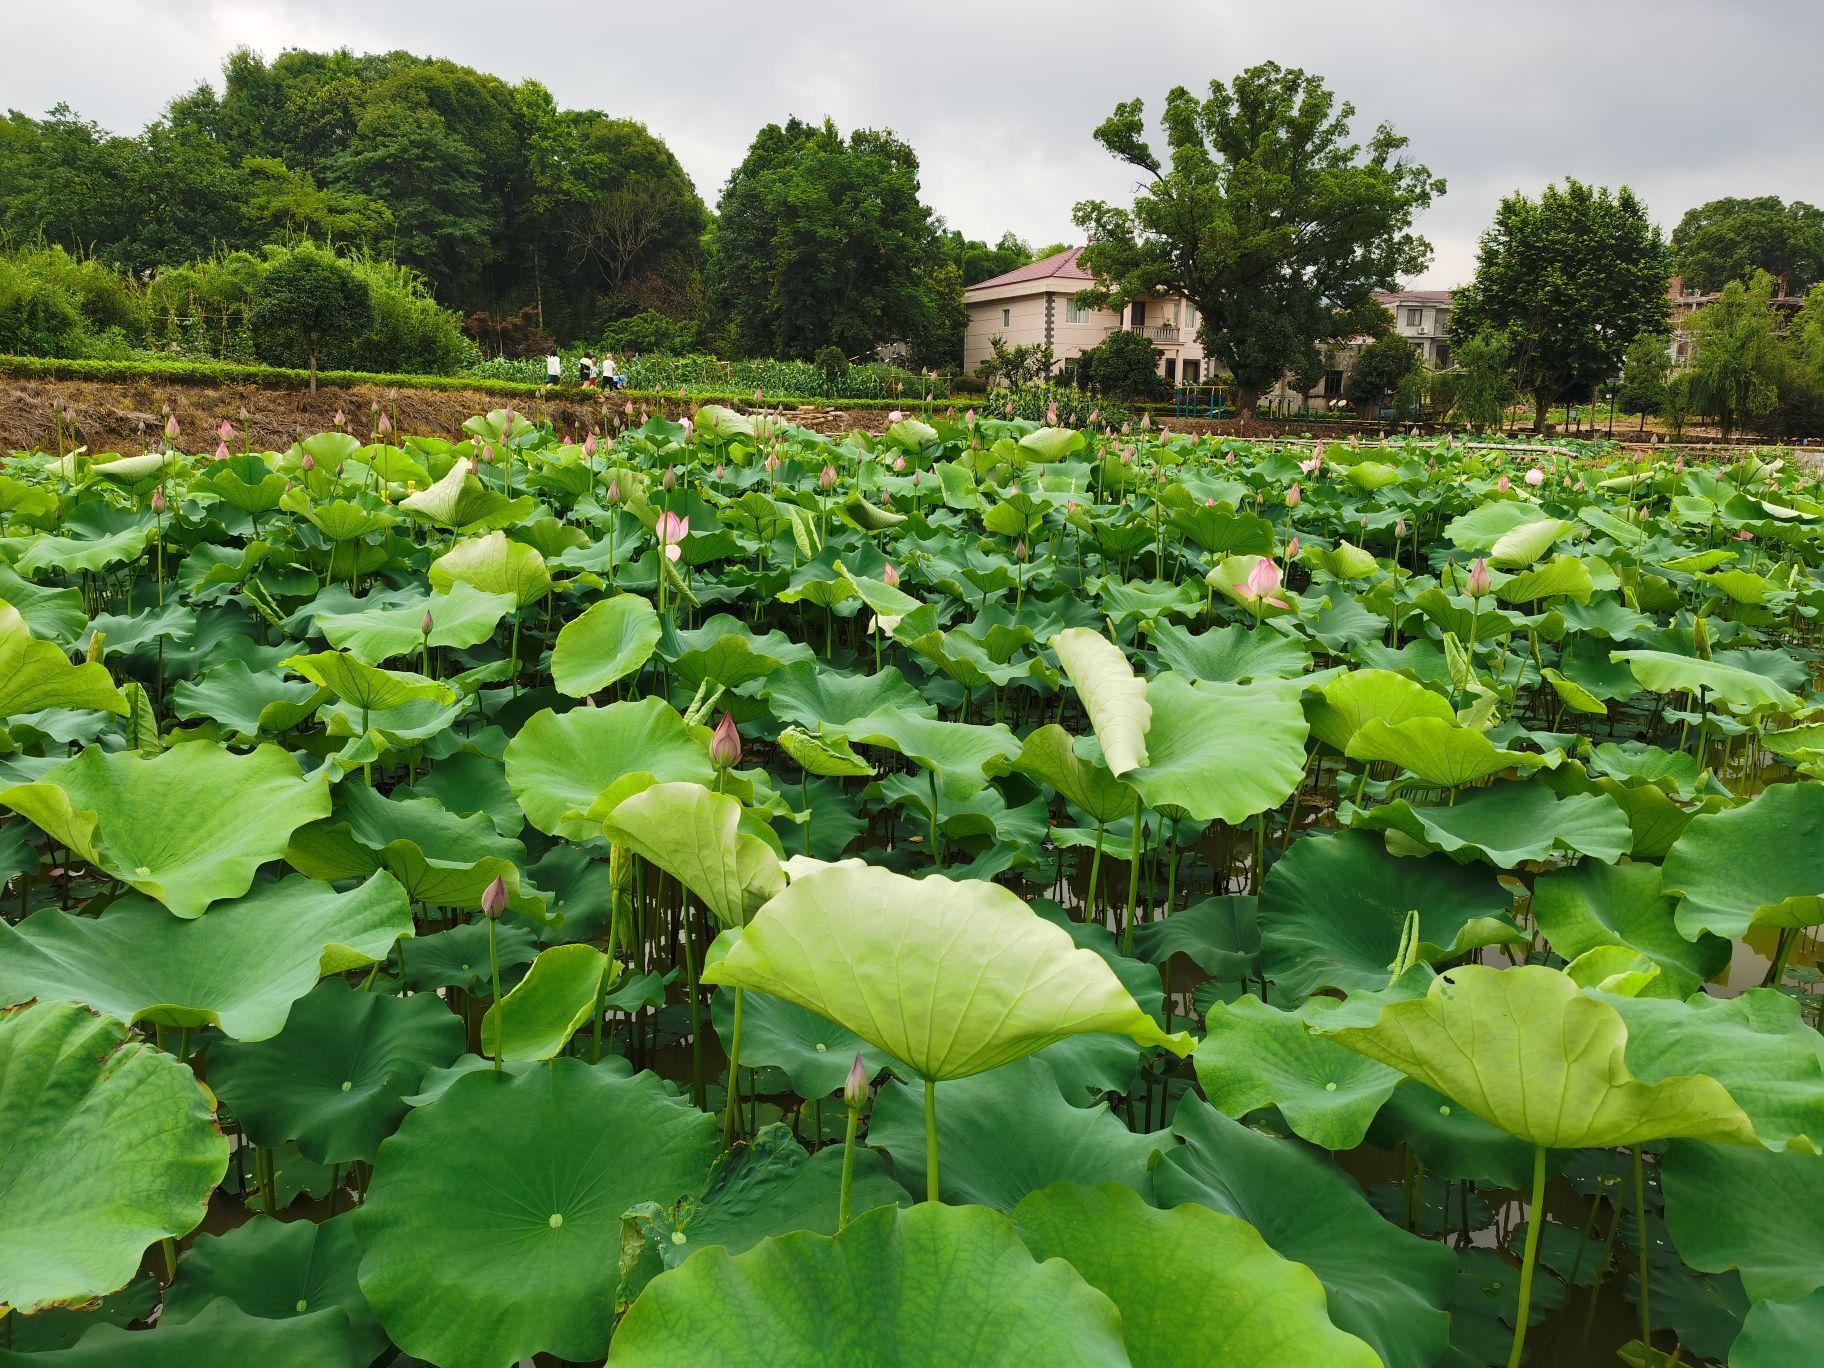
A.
pixel 610 379
pixel 585 369
pixel 554 369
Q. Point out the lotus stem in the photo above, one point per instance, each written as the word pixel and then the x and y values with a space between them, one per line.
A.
pixel 699 1093
pixel 931 1140
pixel 848 1164
pixel 494 973
pixel 731 1114
pixel 1640 1232
pixel 1536 1219
pixel 1133 882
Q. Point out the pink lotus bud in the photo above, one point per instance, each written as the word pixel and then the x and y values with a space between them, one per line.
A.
pixel 1535 477
pixel 589 445
pixel 771 463
pixel 827 480
pixel 1209 503
pixel 494 900
pixel 1504 484
pixel 385 425
pixel 1292 549
pixel 1264 581
pixel 689 427
pixel 308 464
pixel 1019 549
pixel 158 500
pixel 221 451
pixel 1094 414
pixel 487 454
pixel 855 1086
pixel 1294 495
pixel 1479 583
pixel 429 622
pixel 1051 414
pixel 721 471
pixel 896 416
pixel 969 417
pixel 171 428
pixel 225 431
pixel 899 464
pixel 341 418
pixel 1399 528
pixel 756 395
pixel 614 492
pixel 725 745
pixel 890 576
pixel 669 481
pixel 915 479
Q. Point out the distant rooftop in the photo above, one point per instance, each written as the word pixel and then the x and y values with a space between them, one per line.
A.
pixel 1062 266
pixel 1392 297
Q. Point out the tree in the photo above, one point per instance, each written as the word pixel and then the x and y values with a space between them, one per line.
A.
pixel 309 303
pixel 1731 239
pixel 1480 384
pixel 1379 370
pixel 821 239
pixel 1571 278
pixel 1737 360
pixel 1270 219
pixel 1123 366
pixel 1016 365
pixel 1644 370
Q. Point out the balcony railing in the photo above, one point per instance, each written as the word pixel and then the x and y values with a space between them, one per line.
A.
pixel 1152 332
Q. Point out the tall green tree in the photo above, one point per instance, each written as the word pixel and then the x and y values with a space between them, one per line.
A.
pixel 1737 358
pixel 1480 382
pixel 1267 215
pixel 1730 239
pixel 823 240
pixel 1379 369
pixel 308 305
pixel 1644 370
pixel 1571 278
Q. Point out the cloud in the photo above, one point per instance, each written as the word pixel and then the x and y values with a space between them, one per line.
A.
pixel 1000 101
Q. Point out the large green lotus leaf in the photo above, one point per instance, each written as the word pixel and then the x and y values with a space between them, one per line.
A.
pixel 924 1284
pixel 1548 1063
pixel 52 614
pixel 1111 693
pixel 958 751
pixel 335 1079
pixel 1560 577
pixel 812 1051
pixel 458 958
pixel 108 1145
pixel 1521 546
pixel 537 1017
pixel 766 1187
pixel 1049 755
pixel 1350 700
pixel 278 1270
pixel 1255 1056
pixel 462 617
pixel 493 565
pixel 609 641
pixel 695 836
pixel 492 1230
pixel 951 976
pixel 829 757
pixel 365 686
pixel 1592 905
pixel 808 694
pixel 252 703
pixel 238 969
pixel 1756 1045
pixel 1778 1334
pixel 1232 654
pixel 221 1333
pixel 1006 1133
pixel 1451 1141
pixel 74 555
pixel 1222 751
pixel 1192 1285
pixel 561 763
pixel 1333 911
pixel 1507 824
pixel 1381 1284
pixel 1761 864
pixel 726 651
pixel 138 818
pixel 1731 1206
pixel 1664 673
pixel 1220 935
pixel 1440 754
pixel 461 502
pixel 37 674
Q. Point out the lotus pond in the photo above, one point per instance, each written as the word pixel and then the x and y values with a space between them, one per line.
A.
pixel 981 894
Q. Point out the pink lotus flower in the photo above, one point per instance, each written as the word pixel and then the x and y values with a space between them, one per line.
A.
pixel 969 417
pixel 487 454
pixel 1263 583
pixel 341 418
pixel 827 478
pixel 890 576
pixel 725 745
pixel 1294 495
pixel 771 462
pixel 1051 414
pixel 225 431
pixel 1209 503
pixel 614 492
pixel 158 501
pixel 1535 477
pixel 671 531
pixel 1743 534
pixel 899 464
pixel 1315 465
pixel 1293 547
pixel 425 627
pixel 1504 484
pixel 171 428
pixel 589 445
pixel 896 417
pixel 689 427
pixel 221 451
pixel 1399 528
pixel 385 425
pixel 1479 582
pixel 756 400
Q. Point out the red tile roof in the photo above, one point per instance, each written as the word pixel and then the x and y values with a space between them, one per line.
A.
pixel 1063 266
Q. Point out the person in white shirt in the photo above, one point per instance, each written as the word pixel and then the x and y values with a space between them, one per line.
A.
pixel 554 368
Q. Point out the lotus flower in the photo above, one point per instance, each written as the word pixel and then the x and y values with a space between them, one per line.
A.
pixel 672 530
pixel 589 445
pixel 308 464
pixel 890 576
pixel 689 427
pixel 721 471
pixel 896 417
pixel 899 464
pixel 969 417
pixel 1051 414
pixel 1294 495
pixel 855 1086
pixel 225 431
pixel 1314 465
pixel 1292 549
pixel 494 900
pixel 171 428
pixel 1504 484
pixel 487 454
pixel 771 463
pixel 385 425
pixel 429 622
pixel 756 394
pixel 1263 583
pixel 1399 527
pixel 221 451
pixel 341 418
pixel 915 479
pixel 1479 582
pixel 614 492
pixel 1019 549
pixel 725 745
pixel 1535 477
pixel 158 501
pixel 827 479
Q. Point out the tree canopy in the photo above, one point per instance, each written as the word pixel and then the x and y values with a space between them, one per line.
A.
pixel 1267 215
pixel 1571 277
pixel 1730 239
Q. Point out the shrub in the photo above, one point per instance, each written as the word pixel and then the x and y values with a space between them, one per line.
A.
pixel 833 364
pixel 309 307
pixel 650 331
pixel 1123 366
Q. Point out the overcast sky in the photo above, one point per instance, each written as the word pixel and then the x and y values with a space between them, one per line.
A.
pixel 1685 100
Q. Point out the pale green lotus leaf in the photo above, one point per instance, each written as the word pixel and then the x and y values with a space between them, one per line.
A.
pixel 609 641
pixel 1438 753
pixel 1760 864
pixel 539 1014
pixel 1112 694
pixel 1664 673
pixel 37 674
pixel 695 836
pixel 561 764
pixel 494 565
pixel 1222 751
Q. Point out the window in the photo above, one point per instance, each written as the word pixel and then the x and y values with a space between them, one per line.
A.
pixel 1190 371
pixel 1075 313
pixel 1006 318
pixel 1136 313
pixel 1333 384
pixel 1176 309
pixel 1171 368
pixel 1442 321
pixel 1190 317
pixel 1443 356
pixel 1414 317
